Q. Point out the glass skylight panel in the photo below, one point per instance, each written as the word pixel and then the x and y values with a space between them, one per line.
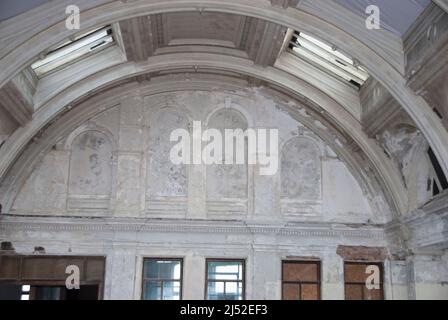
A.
pixel 71 51
pixel 327 58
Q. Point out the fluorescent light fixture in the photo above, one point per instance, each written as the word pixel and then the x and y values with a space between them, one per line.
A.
pixel 71 51
pixel 327 58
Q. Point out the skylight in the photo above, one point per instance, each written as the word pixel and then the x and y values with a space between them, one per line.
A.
pixel 327 58
pixel 70 51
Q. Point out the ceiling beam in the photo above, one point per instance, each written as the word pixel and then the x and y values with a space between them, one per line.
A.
pixel 16 97
pixel 262 40
pixel 140 37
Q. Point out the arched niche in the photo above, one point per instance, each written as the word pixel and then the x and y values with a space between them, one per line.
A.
pixel 167 183
pixel 227 184
pixel 91 171
pixel 300 176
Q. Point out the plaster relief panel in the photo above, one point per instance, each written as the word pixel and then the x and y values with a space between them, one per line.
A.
pixel 90 171
pixel 301 176
pixel 45 191
pixel 227 183
pixel 167 183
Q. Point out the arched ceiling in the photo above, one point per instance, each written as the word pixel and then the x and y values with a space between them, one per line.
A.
pixel 215 41
pixel 395 19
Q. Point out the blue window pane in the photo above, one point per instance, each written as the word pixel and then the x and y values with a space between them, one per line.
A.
pixel 162 269
pixel 224 291
pixel 171 290
pixel 225 270
pixel 234 291
pixel 215 291
pixel 152 290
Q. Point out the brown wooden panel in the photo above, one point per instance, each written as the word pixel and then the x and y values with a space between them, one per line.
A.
pixel 310 292
pixel 38 268
pixel 373 294
pixel 291 291
pixel 300 271
pixel 9 267
pixel 353 291
pixel 49 268
pixel 355 273
pixel 95 269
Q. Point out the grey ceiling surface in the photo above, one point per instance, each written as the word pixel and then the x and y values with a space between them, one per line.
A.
pixel 396 15
pixel 11 8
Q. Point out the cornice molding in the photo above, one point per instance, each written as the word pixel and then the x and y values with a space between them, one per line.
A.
pixel 306 230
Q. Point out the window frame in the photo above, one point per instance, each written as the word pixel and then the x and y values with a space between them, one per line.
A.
pixel 327 58
pixel 243 281
pixel 318 263
pixel 95 46
pixel 181 279
pixel 380 264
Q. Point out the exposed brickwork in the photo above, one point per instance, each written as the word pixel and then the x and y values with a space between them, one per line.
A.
pixel 360 253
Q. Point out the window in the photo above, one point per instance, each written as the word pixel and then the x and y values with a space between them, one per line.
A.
pixel 70 51
pixel 301 280
pixel 225 279
pixel 439 181
pixel 25 292
pixel 356 275
pixel 162 279
pixel 327 58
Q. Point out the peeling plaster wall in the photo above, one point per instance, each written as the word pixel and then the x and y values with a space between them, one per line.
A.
pixel 319 187
pixel 45 192
pixel 431 277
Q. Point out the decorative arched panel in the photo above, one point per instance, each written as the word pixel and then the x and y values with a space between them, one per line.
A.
pixel 167 183
pixel 227 184
pixel 91 173
pixel 301 176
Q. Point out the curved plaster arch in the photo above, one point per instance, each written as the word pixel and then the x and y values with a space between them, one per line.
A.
pixel 102 102
pixel 20 138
